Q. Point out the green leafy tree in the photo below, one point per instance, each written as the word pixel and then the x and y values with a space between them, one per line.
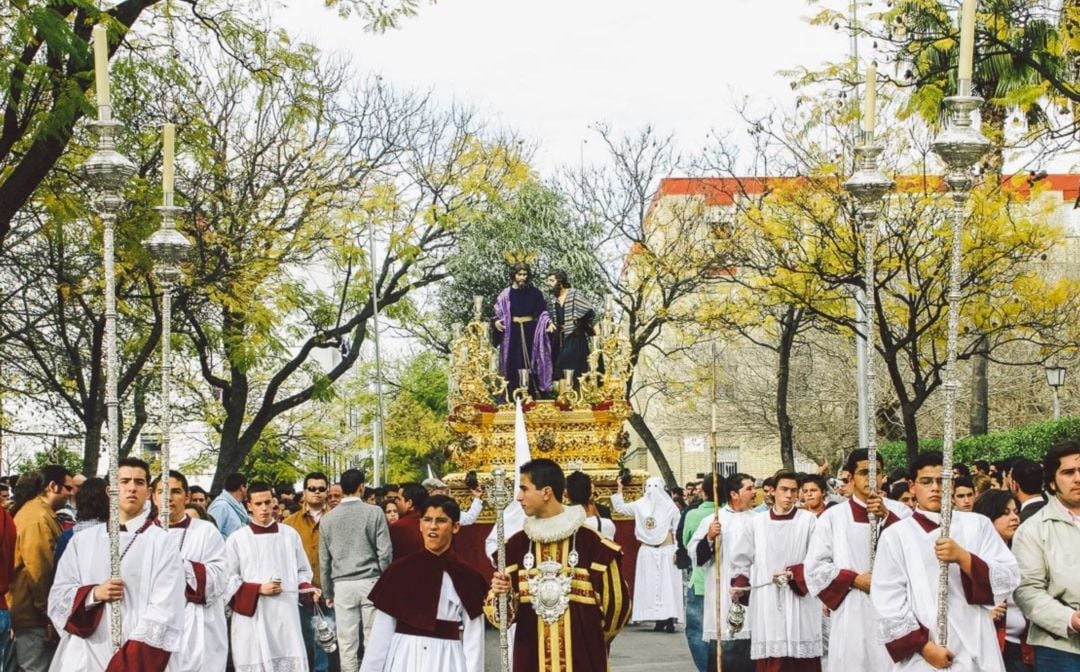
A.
pixel 46 70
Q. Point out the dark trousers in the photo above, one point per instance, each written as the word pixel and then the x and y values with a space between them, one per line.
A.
pixel 1055 660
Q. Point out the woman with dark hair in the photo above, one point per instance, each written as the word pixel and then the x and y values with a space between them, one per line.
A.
pixel 92 503
pixel 1003 509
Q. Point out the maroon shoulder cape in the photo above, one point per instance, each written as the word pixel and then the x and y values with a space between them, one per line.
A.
pixel 409 588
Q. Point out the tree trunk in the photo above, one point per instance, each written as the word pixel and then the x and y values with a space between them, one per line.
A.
pixel 789 326
pixel 638 424
pixel 92 446
pixel 231 454
pixel 980 391
pixel 911 430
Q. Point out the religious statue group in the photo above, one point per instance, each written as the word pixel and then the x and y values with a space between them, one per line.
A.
pixel 538 343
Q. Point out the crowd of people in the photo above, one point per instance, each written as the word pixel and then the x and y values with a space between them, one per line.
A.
pixel 801 587
pixel 340 576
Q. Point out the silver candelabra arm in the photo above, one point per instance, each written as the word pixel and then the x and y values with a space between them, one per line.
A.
pixel 108 172
pixel 499 496
pixel 869 186
pixel 960 145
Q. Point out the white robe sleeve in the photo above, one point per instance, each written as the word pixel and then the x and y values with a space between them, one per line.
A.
pixel 66 584
pixel 217 570
pixel 377 646
pixel 620 505
pixel 819 567
pixel 742 557
pixel 472 640
pixel 889 589
pixel 161 624
pixel 469 516
pixel 1004 570
pixel 700 534
pixel 233 577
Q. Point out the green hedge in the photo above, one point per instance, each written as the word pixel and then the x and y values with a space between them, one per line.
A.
pixel 1027 440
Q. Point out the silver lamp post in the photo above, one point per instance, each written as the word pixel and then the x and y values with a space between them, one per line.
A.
pixel 1055 378
pixel 167 247
pixel 108 171
pixel 868 186
pixel 960 145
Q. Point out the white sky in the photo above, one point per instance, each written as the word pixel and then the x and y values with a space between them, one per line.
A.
pixel 549 69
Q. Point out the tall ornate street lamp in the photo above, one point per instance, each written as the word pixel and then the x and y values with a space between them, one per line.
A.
pixel 868 186
pixel 167 247
pixel 108 171
pixel 960 146
pixel 1055 378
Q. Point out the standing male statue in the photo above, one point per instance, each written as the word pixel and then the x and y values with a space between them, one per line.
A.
pixel 521 325
pixel 574 317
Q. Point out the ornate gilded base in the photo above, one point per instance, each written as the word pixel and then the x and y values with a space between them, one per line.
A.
pixel 591 440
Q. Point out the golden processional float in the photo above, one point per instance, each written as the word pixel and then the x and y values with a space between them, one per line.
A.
pixel 581 428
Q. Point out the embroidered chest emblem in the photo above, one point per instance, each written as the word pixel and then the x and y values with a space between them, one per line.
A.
pixel 650 523
pixel 549 586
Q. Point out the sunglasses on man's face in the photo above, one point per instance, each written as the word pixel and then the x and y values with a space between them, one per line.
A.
pixel 316 489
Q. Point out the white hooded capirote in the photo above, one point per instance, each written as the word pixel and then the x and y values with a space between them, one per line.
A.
pixel 657 581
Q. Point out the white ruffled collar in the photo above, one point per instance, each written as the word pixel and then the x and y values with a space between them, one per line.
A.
pixel 557 527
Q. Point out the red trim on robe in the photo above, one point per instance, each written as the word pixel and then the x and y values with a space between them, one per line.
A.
pixel 798 580
pixel 307 599
pixel 197 595
pixel 184 523
pixel 834 593
pixel 790 515
pixel 136 656
pixel 908 645
pixel 741 581
pixel 787 665
pixel 272 528
pixel 245 599
pixel 83 622
pixel 925 523
pixel 977 586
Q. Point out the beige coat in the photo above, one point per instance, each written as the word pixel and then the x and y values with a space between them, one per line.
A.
pixel 1047 548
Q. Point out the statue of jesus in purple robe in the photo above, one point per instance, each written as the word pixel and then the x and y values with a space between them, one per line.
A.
pixel 521 326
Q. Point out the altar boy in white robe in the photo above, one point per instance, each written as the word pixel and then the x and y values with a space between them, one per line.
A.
pixel 730 525
pixel 768 567
pixel 268 575
pixel 429 605
pixel 202 552
pixel 904 586
pixel 838 568
pixel 149 594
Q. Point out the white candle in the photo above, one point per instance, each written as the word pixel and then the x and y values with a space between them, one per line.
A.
pixel 168 167
pixel 870 102
pixel 967 46
pixel 101 66
pixel 478 305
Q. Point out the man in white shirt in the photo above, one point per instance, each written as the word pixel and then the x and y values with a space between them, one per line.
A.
pixel 730 525
pixel 767 563
pixel 429 604
pixel 838 568
pixel 200 547
pixel 268 574
pixel 149 594
pixel 904 585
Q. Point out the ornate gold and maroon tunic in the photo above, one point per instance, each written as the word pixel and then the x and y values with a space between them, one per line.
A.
pixel 598 602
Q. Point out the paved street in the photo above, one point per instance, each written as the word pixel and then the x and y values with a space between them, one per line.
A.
pixel 636 649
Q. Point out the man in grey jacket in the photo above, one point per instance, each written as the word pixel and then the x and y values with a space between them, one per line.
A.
pixel 1047 548
pixel 354 550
